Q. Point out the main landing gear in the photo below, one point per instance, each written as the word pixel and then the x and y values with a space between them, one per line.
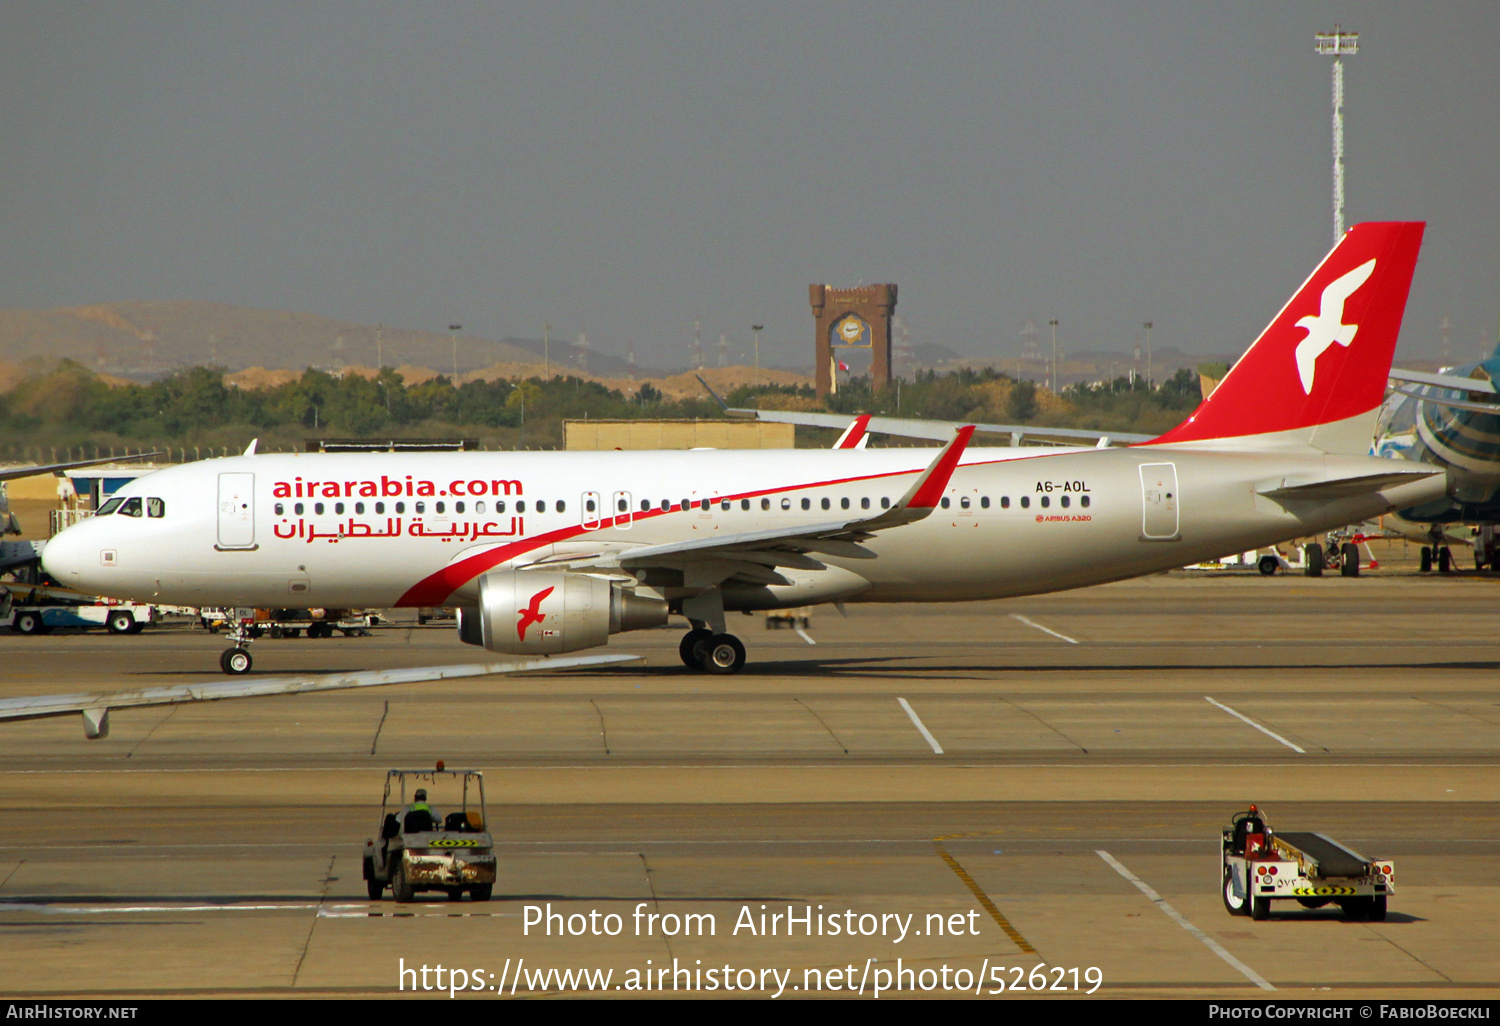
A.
pixel 702 649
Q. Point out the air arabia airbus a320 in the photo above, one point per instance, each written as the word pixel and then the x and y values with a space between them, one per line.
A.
pixel 553 552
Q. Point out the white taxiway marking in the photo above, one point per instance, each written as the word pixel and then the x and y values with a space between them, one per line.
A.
pixel 806 637
pixel 1048 630
pixel 1177 917
pixel 1257 726
pixel 920 726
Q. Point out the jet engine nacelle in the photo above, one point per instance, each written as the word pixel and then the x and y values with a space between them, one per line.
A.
pixel 546 612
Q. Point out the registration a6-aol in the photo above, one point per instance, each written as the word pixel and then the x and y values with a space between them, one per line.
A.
pixel 1043 977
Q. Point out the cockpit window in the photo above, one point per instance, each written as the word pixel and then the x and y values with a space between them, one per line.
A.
pixel 109 507
pixel 156 508
pixel 131 507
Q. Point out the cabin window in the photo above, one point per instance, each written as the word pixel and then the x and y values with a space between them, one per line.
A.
pixel 864 503
pixel 297 509
pixel 984 502
pixel 666 504
pixel 765 503
pixel 338 507
pixel 380 507
pixel 520 506
pixel 947 502
pixel 1025 502
pixel 280 510
pixel 885 503
pixel 440 507
pixel 964 502
pixel 1065 502
pixel 400 508
pixel 1005 502
pixel 807 504
pixel 359 507
pixel 703 504
pixel 420 507
pixel 562 507
pixel 786 504
pixel 1046 501
pixel 621 506
pixel 826 504
pixel 645 505
pixel 458 507
pixel 844 502
pixel 744 504
pixel 318 508
pixel 1084 502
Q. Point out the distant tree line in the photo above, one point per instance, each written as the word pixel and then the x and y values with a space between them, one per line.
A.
pixel 70 406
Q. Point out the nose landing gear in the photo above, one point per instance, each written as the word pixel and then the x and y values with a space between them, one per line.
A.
pixel 236 660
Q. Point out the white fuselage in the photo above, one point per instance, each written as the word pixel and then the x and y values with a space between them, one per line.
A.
pixel 418 529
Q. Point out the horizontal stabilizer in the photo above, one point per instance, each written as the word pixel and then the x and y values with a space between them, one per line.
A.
pixel 1342 487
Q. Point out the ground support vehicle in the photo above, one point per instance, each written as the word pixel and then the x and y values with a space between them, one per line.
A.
pixel 1260 866
pixel 27 612
pixel 421 849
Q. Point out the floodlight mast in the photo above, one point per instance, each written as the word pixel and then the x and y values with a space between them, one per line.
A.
pixel 1336 44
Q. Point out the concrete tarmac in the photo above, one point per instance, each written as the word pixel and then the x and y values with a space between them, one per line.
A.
pixel 989 788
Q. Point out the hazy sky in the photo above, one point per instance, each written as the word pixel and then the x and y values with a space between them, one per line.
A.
pixel 622 168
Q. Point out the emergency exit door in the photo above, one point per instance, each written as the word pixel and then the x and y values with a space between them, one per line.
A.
pixel 236 511
pixel 1159 520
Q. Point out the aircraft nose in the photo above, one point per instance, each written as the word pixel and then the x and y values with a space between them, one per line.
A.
pixel 63 557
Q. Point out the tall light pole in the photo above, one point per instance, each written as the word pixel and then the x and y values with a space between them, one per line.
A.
pixel 1336 44
pixel 756 328
pixel 547 351
pixel 1053 323
pixel 1148 355
pixel 453 330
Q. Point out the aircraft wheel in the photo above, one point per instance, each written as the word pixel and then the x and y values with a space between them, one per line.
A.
pixel 723 654
pixel 401 889
pixel 120 622
pixel 1445 560
pixel 1349 560
pixel 1425 562
pixel 235 661
pixel 692 646
pixel 481 892
pixel 1268 565
pixel 1312 555
pixel 1376 908
pixel 136 628
pixel 1234 904
pixel 1260 908
pixel 27 623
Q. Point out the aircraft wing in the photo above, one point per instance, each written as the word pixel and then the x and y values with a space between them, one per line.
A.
pixel 95 707
pixel 1456 404
pixel 12 473
pixel 939 430
pixel 781 546
pixel 942 429
pixel 1442 381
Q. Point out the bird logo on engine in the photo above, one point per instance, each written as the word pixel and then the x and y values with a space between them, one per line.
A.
pixel 530 614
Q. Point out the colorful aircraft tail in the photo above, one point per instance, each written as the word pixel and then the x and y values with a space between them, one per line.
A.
pixel 1316 376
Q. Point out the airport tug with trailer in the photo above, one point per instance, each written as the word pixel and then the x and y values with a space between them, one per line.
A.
pixel 1260 865
pixel 419 848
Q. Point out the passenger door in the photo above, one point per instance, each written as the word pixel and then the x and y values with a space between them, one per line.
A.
pixel 236 511
pixel 1159 517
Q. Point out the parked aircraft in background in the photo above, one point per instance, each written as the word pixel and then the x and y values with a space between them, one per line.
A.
pixel 551 552
pixel 1449 420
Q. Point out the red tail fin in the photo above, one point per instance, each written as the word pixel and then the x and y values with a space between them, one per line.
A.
pixel 1323 360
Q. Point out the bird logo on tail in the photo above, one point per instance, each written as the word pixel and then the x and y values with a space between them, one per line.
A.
pixel 1328 326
